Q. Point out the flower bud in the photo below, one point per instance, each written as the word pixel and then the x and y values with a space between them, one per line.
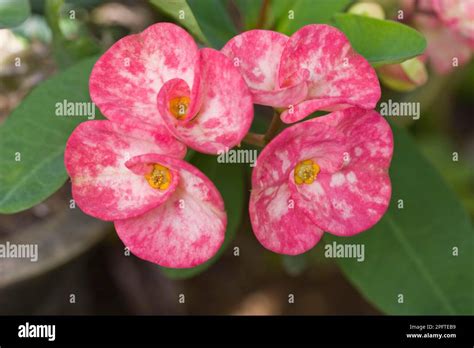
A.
pixel 405 76
pixel 368 9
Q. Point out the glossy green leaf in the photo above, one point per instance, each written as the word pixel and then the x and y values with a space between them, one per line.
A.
pixel 13 12
pixel 33 137
pixel 249 12
pixel 297 13
pixel 230 181
pixel 215 21
pixel 381 41
pixel 208 20
pixel 180 11
pixel 423 251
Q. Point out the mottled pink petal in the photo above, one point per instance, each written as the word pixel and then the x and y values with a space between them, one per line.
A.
pixel 281 98
pixel 353 149
pixel 185 231
pixel 337 74
pixel 102 185
pixel 125 81
pixel 355 197
pixel 367 136
pixel 346 202
pixel 279 224
pixel 257 54
pixel 299 111
pixel 226 109
pixel 296 144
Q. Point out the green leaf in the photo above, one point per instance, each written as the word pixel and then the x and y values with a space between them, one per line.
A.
pixel 13 12
pixel 381 41
pixel 214 20
pixel 208 20
pixel 410 251
pixel 249 12
pixel 229 180
pixel 180 11
pixel 35 134
pixel 305 12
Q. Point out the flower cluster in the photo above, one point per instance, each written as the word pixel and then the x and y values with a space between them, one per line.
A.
pixel 161 93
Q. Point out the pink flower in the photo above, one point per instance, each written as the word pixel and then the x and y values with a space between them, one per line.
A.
pixel 458 15
pixel 326 174
pixel 448 26
pixel 314 69
pixel 159 77
pixel 164 209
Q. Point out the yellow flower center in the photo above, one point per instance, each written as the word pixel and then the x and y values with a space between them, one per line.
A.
pixel 179 107
pixel 306 172
pixel 159 177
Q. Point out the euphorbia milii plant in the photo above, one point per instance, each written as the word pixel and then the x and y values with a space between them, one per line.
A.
pixel 161 93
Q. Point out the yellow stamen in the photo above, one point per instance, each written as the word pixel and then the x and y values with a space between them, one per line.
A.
pixel 159 177
pixel 306 172
pixel 179 107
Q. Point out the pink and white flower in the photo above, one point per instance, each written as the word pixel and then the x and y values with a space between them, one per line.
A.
pixel 159 77
pixel 326 174
pixel 448 26
pixel 165 210
pixel 458 15
pixel 314 69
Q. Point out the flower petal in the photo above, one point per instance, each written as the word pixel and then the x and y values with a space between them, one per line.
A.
pixel 279 224
pixel 298 143
pixel 102 185
pixel 283 97
pixel 354 198
pixel 336 72
pixel 226 109
pixel 353 149
pixel 125 81
pixel 366 134
pixel 185 231
pixel 299 111
pixel 257 53
pixel 347 202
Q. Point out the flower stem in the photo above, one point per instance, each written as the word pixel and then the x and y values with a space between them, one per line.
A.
pixel 254 139
pixel 262 16
pixel 274 127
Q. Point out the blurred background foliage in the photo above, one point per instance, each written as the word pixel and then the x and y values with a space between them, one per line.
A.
pixel 60 40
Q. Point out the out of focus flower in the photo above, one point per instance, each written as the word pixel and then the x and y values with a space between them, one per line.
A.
pixel 448 26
